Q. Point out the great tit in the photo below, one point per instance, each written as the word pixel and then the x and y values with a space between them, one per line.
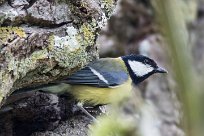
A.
pixel 105 80
pixel 101 81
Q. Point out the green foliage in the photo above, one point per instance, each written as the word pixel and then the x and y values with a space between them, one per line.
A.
pixel 173 25
pixel 112 125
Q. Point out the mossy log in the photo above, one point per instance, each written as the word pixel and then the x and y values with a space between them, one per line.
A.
pixel 41 41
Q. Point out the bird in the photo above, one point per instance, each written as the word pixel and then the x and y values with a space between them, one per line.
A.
pixel 105 80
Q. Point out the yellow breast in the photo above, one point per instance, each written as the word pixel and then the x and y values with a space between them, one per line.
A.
pixel 98 96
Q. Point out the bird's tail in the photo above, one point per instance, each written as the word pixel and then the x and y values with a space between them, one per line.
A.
pixel 55 88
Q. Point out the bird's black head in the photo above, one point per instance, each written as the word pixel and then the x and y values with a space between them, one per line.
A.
pixel 141 67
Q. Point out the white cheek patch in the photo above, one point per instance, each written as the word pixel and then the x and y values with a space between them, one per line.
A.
pixel 139 68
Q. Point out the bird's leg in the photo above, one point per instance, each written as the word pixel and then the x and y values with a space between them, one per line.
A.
pixel 80 106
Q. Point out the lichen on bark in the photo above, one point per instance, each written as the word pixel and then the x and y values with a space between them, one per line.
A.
pixel 39 47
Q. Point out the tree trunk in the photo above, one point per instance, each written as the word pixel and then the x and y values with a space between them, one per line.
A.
pixel 44 40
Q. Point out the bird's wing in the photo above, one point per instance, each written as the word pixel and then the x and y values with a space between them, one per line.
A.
pixel 102 73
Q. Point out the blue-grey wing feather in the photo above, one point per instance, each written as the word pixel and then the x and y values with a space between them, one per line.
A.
pixel 112 73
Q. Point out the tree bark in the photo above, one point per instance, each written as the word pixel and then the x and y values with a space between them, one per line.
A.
pixel 44 40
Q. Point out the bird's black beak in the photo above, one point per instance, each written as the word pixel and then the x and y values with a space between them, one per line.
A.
pixel 161 70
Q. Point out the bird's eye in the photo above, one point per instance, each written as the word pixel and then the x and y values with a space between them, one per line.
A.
pixel 146 61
